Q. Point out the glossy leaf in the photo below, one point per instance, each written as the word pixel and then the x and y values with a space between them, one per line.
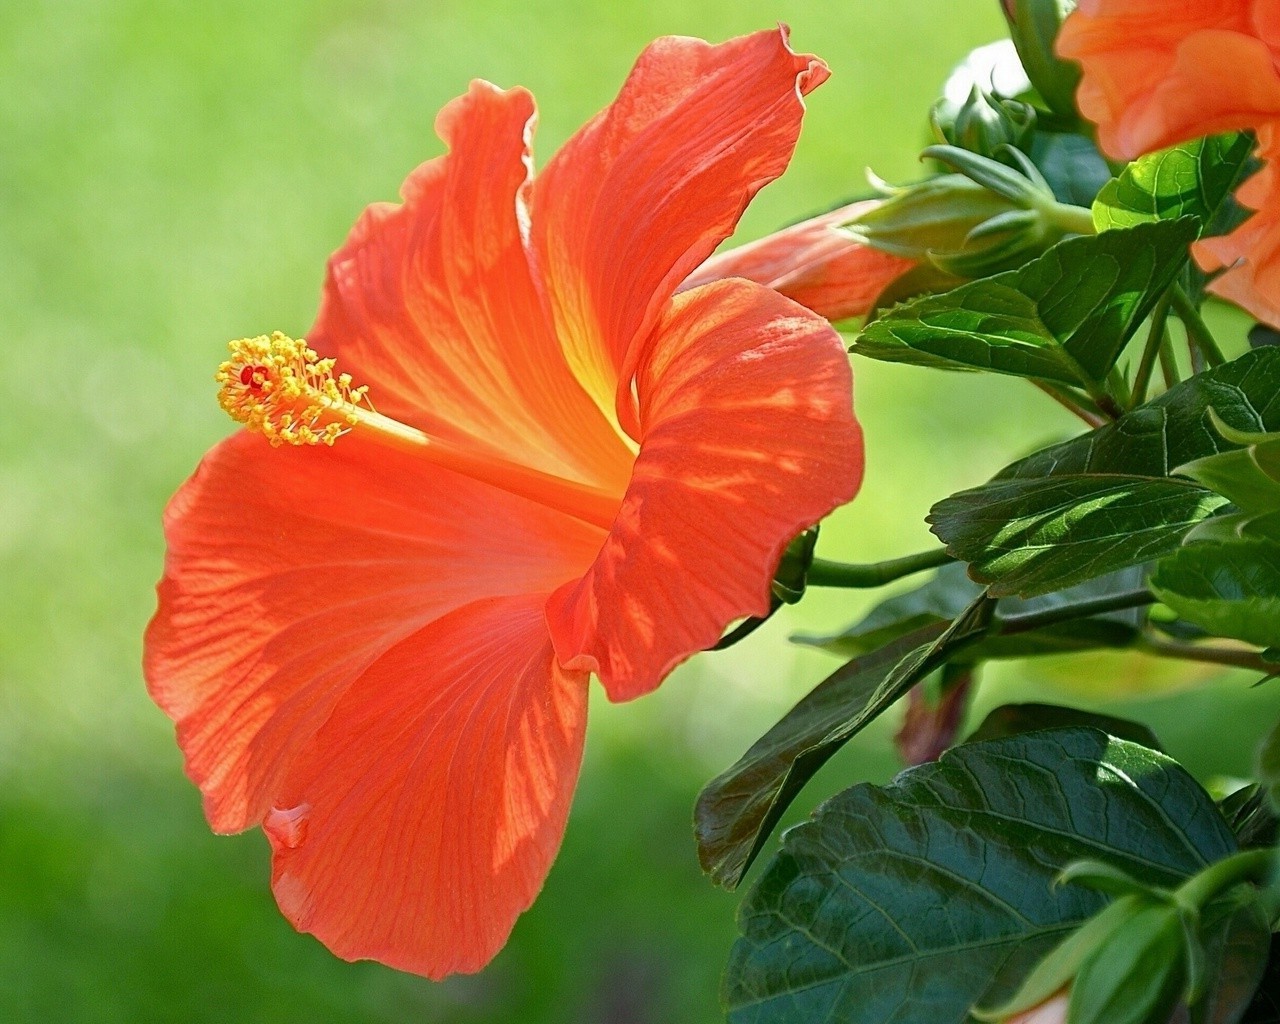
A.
pixel 1063 317
pixel 916 900
pixel 1193 179
pixel 1237 950
pixel 1024 526
pixel 1230 590
pixel 1032 536
pixel 737 809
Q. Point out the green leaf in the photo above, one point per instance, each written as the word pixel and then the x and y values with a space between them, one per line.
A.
pixel 1072 165
pixel 1249 475
pixel 944 596
pixel 1137 975
pixel 1230 590
pixel 1193 179
pixel 1023 528
pixel 737 809
pixel 1063 317
pixel 1032 536
pixel 1062 964
pixel 1014 719
pixel 914 901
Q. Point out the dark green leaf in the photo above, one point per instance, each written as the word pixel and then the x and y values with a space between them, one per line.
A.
pixel 738 808
pixel 1024 527
pixel 944 596
pixel 1063 317
pixel 1014 719
pixel 1249 813
pixel 914 901
pixel 1071 164
pixel 1230 590
pixel 1032 536
pixel 1193 179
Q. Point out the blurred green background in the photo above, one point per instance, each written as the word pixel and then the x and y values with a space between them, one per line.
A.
pixel 174 175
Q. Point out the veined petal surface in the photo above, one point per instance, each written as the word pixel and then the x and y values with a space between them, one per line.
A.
pixel 424 816
pixel 433 304
pixel 290 571
pixel 813 263
pixel 647 189
pixel 747 437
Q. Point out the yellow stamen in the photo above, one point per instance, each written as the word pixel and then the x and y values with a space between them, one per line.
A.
pixel 283 390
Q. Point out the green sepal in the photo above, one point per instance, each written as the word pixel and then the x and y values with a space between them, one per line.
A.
pixel 1061 964
pixel 1137 975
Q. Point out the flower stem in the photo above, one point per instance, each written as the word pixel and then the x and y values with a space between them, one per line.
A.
pixel 1010 624
pixel 1073 402
pixel 1227 656
pixel 1197 330
pixel 823 573
pixel 1076 219
pixel 1155 338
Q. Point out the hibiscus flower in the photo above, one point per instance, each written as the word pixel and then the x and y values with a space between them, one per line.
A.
pixel 1157 74
pixel 815 262
pixel 375 633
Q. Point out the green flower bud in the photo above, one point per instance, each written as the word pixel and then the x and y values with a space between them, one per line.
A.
pixel 1034 25
pixel 983 123
pixel 962 227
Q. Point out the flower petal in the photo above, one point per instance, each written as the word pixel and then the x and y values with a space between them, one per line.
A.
pixel 747 437
pixel 290 571
pixel 647 189
pixel 814 263
pixel 424 816
pixel 1251 253
pixel 1156 74
pixel 433 304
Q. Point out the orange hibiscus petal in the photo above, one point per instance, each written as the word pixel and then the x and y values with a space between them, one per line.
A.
pixel 422 819
pixel 290 571
pixel 1251 253
pixel 814 263
pixel 747 437
pixel 433 304
pixel 1156 74
pixel 643 193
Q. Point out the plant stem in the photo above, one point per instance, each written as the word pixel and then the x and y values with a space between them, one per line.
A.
pixel 1155 338
pixel 1197 330
pixel 1010 624
pixel 1227 656
pixel 823 573
pixel 1073 402
pixel 1246 866
pixel 1076 219
pixel 1168 364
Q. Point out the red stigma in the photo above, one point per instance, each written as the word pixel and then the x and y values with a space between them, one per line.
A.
pixel 253 376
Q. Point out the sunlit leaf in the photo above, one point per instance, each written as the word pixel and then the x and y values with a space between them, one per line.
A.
pixel 1063 317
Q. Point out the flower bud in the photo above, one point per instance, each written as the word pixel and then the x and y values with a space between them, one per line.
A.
pixel 983 123
pixel 1034 25
pixel 960 226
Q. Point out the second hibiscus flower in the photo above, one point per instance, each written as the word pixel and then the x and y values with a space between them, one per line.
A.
pixel 379 649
